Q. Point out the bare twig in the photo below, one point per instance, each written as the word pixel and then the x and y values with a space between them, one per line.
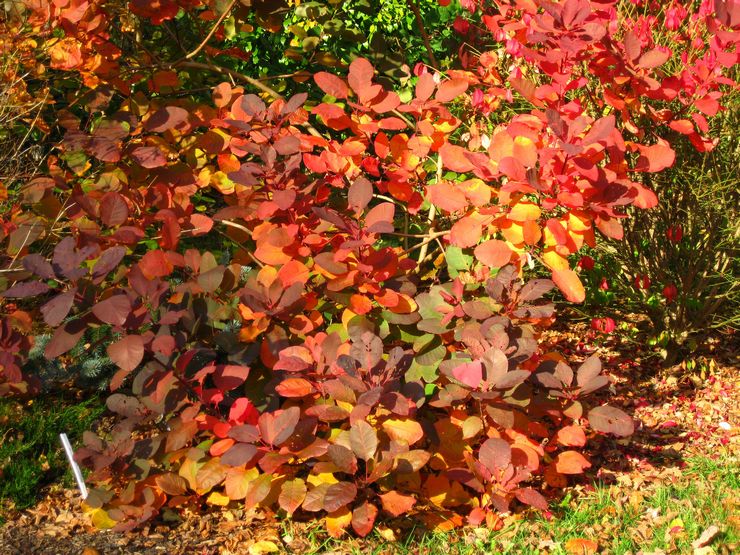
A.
pixel 432 212
pixel 213 30
pixel 423 32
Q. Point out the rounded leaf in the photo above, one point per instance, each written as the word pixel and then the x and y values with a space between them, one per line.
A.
pixel 611 420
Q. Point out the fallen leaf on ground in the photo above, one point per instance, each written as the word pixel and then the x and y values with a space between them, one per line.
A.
pixel 706 537
pixel 581 546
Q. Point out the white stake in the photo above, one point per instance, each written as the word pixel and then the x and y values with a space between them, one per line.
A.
pixel 75 468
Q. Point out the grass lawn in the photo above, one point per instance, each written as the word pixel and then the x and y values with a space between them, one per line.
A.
pixel 665 516
pixel 31 455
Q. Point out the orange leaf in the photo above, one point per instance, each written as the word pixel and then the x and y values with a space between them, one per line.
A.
pixel 465 232
pixel 571 462
pixel 360 304
pixel 525 151
pixel 569 283
pixel 581 546
pixel 65 54
pixel 493 253
pixel 396 504
pixel 572 436
pixel 294 387
pixel 221 446
pixel 403 430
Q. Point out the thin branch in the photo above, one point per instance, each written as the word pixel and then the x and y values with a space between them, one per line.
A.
pixel 432 212
pixel 213 30
pixel 423 32
pixel 419 235
pixel 237 226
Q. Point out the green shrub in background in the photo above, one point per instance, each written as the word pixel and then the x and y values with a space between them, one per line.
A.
pixel 679 261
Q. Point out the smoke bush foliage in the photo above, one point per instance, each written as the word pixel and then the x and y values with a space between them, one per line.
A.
pixel 381 352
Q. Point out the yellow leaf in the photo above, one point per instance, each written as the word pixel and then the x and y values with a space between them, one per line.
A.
pixel 525 151
pixel 578 222
pixel 524 212
pixel 337 522
pixel 263 546
pixel 219 499
pixel 101 520
pixel 222 183
pixel 322 478
pixel 554 260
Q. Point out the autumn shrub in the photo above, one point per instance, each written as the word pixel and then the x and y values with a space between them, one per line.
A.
pixel 315 302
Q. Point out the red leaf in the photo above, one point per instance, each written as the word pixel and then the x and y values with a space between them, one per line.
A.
pixel 447 197
pixel 331 84
pixel 56 310
pixel 339 495
pixel 644 197
pixel 277 427
pixel 600 130
pixel 222 95
pixel 166 118
pixel 230 376
pixel 455 158
pixel 469 373
pixel 292 494
pixel 571 436
pixel 683 126
pixel 532 498
pixel 611 420
pixel 360 76
pixel 380 218
pixel 363 518
pixel 425 86
pixel 201 224
pixel 465 232
pixel 113 310
pixel 127 353
pixel 493 253
pixel 113 209
pixel 707 105
pixel 26 289
pixel 495 454
pixel 65 338
pixel 149 157
pixel 155 264
pixel 360 194
pixel 653 58
pixel 655 158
